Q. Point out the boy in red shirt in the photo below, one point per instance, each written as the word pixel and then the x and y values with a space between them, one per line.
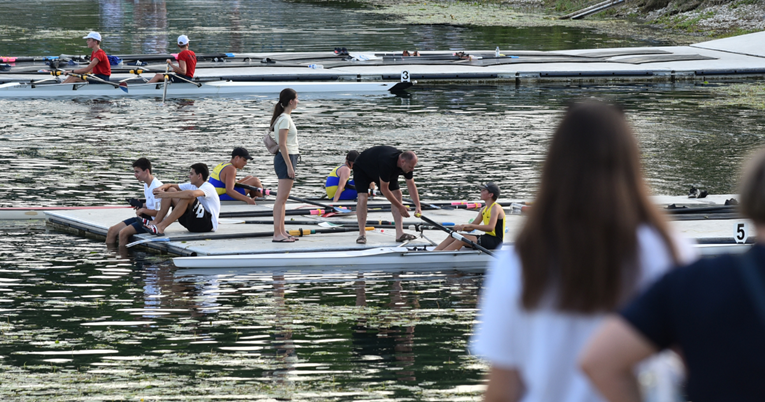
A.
pixel 187 63
pixel 99 63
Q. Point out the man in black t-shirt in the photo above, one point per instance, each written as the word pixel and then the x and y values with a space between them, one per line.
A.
pixel 383 165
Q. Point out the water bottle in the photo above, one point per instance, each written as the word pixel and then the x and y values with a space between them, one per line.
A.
pixel 316 66
pixel 496 52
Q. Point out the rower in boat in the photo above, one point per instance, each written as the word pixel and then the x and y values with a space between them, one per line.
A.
pixel 187 63
pixel 337 185
pixel 223 178
pixel 383 165
pixel 99 62
pixel 149 209
pixel 195 204
pixel 492 218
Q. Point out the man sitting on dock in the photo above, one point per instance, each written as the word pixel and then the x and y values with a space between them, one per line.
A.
pixel 223 178
pixel 195 204
pixel 129 227
pixel 187 64
pixel 382 165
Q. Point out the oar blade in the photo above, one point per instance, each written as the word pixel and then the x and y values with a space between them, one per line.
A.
pixel 124 87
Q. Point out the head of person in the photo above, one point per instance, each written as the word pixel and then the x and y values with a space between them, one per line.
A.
pixel 580 238
pixel 752 190
pixel 93 39
pixel 198 174
pixel 288 98
pixel 351 157
pixel 489 191
pixel 407 160
pixel 142 169
pixel 183 41
pixel 240 157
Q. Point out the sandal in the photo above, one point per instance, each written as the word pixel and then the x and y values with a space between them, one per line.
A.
pixel 361 240
pixel 153 230
pixel 293 238
pixel 284 240
pixel 406 237
pixel 145 222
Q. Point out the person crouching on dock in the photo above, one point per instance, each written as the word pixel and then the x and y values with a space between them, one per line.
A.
pixel 223 178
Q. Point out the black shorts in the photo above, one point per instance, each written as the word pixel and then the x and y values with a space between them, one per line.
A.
pixel 196 218
pixel 174 78
pixel 136 223
pixel 362 180
pixel 489 242
pixel 101 76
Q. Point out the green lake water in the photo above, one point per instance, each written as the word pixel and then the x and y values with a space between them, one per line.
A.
pixel 80 322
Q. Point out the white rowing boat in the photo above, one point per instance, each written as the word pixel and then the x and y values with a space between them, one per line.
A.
pixel 183 90
pixel 382 256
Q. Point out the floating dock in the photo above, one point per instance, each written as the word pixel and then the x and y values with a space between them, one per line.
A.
pixel 255 238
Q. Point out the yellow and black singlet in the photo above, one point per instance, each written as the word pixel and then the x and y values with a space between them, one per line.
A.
pixel 499 228
pixel 333 180
pixel 220 187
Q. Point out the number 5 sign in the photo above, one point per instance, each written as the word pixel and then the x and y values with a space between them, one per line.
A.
pixel 740 235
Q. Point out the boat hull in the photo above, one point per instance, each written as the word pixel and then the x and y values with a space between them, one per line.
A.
pixel 384 256
pixel 185 90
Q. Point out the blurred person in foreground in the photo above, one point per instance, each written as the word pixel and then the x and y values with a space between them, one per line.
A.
pixel 712 312
pixel 592 239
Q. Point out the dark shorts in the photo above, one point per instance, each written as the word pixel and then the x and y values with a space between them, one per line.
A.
pixel 196 218
pixel 361 180
pixel 489 242
pixel 281 168
pixel 136 223
pixel 101 76
pixel 174 78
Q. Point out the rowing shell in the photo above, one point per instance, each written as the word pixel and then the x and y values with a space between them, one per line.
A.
pixel 382 256
pixel 212 88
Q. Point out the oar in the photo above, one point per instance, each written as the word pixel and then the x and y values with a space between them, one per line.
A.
pixel 318 204
pixel 456 235
pixel 247 214
pixel 432 206
pixel 164 90
pixel 122 85
pixel 212 236
pixel 342 223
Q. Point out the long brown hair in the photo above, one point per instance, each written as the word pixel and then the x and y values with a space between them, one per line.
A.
pixel 580 239
pixel 285 97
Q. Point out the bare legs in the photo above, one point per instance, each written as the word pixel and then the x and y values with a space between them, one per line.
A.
pixel 451 243
pixel 121 231
pixel 361 213
pixel 163 220
pixel 280 206
pixel 255 182
pixel 397 219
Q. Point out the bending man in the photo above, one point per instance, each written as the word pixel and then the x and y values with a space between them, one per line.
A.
pixel 195 204
pixel 382 165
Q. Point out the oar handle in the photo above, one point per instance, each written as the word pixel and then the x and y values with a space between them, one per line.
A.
pixel 456 235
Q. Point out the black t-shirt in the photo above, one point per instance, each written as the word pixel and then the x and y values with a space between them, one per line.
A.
pixel 707 311
pixel 381 162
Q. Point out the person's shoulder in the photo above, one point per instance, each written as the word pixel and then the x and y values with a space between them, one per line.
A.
pixel 207 186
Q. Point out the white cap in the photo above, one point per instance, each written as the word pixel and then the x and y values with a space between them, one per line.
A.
pixel 183 40
pixel 93 35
